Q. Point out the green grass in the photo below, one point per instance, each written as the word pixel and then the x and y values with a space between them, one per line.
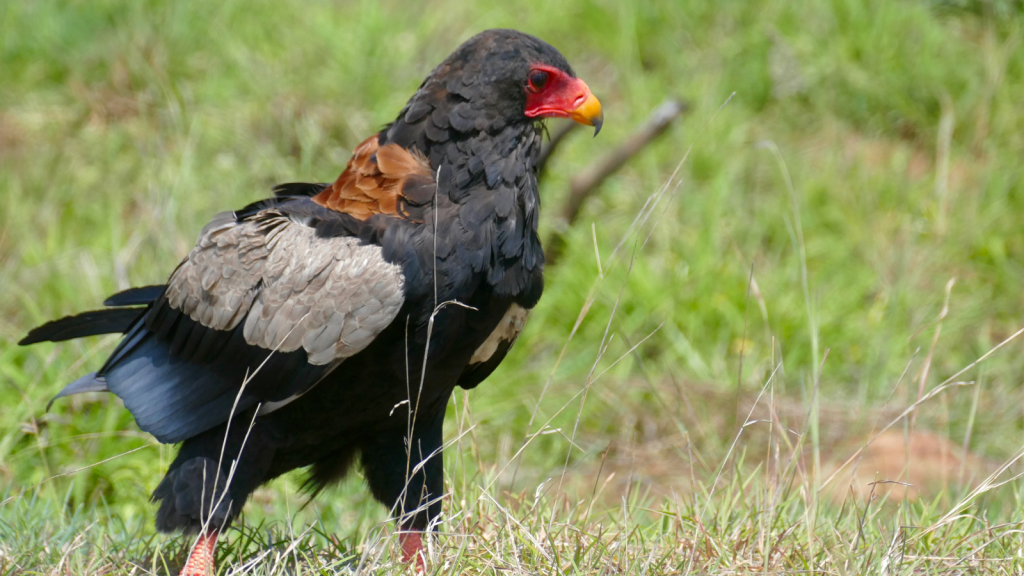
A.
pixel 851 157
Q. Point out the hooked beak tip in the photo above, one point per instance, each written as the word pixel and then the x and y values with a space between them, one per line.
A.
pixel 589 113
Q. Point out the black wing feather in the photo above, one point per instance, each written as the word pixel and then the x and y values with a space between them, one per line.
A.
pixel 175 394
pixel 299 189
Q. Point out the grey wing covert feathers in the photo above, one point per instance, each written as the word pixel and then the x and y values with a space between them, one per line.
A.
pixel 329 296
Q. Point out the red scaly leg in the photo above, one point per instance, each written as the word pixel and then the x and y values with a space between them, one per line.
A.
pixel 200 561
pixel 412 549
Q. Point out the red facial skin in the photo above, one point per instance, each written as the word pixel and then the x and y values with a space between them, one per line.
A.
pixel 561 96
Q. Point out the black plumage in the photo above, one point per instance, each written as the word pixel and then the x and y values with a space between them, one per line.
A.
pixel 296 332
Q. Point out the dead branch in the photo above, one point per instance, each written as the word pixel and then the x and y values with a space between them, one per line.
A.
pixel 584 184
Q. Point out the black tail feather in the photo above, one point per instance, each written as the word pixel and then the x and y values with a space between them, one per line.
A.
pixel 85 324
pixel 98 321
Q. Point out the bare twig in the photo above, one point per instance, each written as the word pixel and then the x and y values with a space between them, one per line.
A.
pixel 583 185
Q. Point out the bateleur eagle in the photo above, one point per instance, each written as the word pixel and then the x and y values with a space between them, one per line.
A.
pixel 331 323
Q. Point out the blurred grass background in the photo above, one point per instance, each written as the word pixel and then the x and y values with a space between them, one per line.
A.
pixel 871 151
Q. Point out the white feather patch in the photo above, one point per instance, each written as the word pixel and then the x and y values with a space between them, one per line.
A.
pixel 508 330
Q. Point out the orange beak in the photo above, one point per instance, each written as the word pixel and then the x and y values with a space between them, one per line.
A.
pixel 589 112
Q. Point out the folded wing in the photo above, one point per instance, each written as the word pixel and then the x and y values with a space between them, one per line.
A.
pixel 262 301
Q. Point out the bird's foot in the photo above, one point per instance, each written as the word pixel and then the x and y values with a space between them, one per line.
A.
pixel 412 549
pixel 200 560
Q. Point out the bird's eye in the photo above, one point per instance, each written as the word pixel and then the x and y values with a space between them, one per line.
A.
pixel 538 80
